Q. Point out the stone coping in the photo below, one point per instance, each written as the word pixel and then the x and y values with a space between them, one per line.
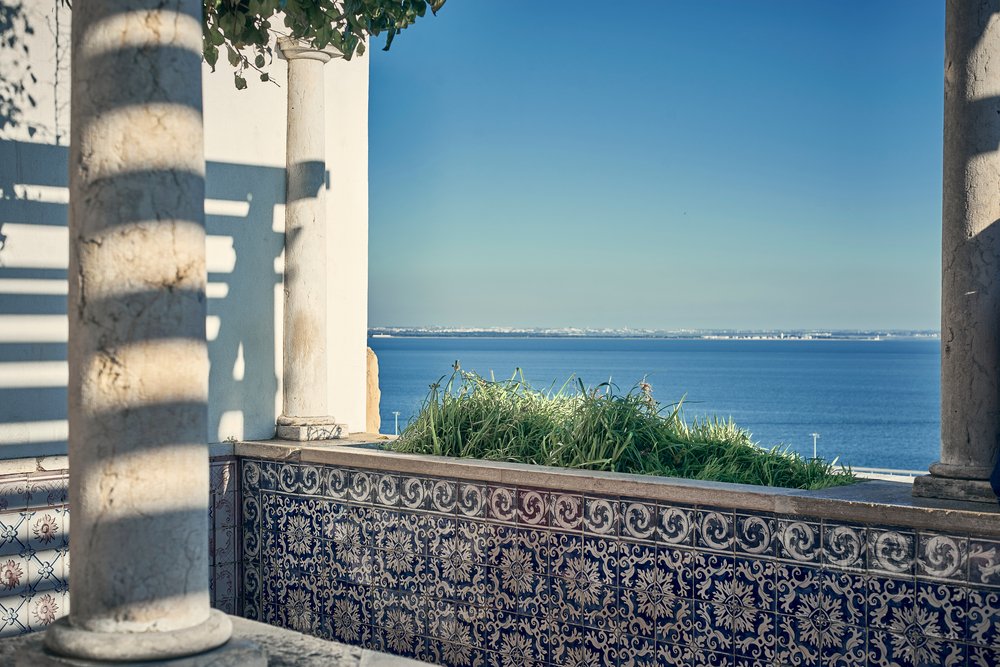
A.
pixel 284 648
pixel 869 502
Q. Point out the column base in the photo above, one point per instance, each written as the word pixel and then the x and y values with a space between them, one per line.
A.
pixel 953 488
pixel 304 429
pixel 235 653
pixel 62 638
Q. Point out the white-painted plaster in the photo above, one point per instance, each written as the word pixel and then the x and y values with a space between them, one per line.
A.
pixel 245 154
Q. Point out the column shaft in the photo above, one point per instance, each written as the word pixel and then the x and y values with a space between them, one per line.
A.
pixel 970 302
pixel 304 355
pixel 138 365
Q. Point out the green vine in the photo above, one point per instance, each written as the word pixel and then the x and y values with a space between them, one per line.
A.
pixel 243 28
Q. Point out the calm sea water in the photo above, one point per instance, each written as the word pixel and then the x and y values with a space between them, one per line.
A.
pixel 874 403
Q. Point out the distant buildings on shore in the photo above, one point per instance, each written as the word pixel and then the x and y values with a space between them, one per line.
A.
pixel 680 334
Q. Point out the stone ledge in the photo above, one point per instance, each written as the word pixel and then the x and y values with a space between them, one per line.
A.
pixel 284 648
pixel 872 502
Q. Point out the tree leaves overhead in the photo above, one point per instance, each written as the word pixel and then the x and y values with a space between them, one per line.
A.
pixel 243 28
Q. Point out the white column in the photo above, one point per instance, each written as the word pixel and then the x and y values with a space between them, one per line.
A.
pixel 138 366
pixel 305 409
pixel 970 302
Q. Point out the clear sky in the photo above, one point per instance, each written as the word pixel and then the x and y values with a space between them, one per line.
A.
pixel 696 164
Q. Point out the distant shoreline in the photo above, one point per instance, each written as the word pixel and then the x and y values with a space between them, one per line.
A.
pixel 804 336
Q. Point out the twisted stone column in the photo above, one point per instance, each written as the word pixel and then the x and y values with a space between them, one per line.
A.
pixel 970 300
pixel 304 355
pixel 138 364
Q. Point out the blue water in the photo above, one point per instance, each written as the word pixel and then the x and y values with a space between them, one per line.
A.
pixel 874 403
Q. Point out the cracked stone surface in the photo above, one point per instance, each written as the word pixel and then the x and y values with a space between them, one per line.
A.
pixel 970 327
pixel 138 363
pixel 304 352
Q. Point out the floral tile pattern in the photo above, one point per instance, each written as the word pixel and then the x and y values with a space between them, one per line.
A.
pixel 34 551
pixel 34 546
pixel 462 573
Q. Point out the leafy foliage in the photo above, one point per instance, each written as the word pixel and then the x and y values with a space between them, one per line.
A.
pixel 17 78
pixel 599 429
pixel 242 28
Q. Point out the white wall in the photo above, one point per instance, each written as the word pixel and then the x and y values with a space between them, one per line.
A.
pixel 347 240
pixel 245 185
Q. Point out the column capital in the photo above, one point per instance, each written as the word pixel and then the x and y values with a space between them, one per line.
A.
pixel 297 49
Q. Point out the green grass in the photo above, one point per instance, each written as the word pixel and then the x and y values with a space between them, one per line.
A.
pixel 599 429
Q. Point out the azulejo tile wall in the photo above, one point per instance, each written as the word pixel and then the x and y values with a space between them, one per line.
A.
pixel 463 573
pixel 34 551
pixel 223 533
pixel 34 545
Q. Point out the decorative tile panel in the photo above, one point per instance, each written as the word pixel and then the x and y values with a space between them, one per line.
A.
pixel 464 573
pixel 34 551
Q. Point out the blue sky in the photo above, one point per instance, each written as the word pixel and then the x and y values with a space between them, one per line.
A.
pixel 723 164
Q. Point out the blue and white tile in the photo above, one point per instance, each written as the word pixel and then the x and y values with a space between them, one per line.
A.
pixel 471 500
pixel 941 556
pixel 638 520
pixel 844 645
pixel 797 641
pixel 577 645
pixel 567 512
pixel 518 640
pixel 984 562
pixel 947 609
pixel 590 559
pixel 891 603
pixel 845 546
pixel 715 529
pixel 676 525
pixel 799 541
pixel 756 535
pixel 891 551
pixel 983 613
pixel 600 517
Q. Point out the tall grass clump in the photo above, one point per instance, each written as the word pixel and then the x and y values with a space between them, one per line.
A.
pixel 600 428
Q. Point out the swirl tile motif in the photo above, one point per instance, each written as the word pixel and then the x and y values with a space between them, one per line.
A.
pixel 463 573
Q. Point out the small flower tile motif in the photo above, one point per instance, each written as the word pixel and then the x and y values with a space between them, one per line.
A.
pixel 586 560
